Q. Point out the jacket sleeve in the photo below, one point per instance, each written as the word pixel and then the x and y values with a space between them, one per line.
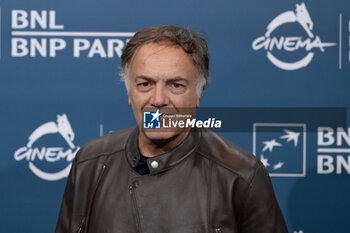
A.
pixel 67 220
pixel 261 212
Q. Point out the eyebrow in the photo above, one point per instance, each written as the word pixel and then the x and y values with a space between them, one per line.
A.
pixel 144 77
pixel 177 78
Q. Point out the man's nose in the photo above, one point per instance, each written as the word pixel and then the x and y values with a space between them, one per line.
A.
pixel 159 98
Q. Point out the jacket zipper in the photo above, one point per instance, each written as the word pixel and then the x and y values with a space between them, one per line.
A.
pixel 132 194
pixel 81 225
pixel 91 203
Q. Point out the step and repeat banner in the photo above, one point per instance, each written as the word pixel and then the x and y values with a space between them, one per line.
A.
pixel 283 65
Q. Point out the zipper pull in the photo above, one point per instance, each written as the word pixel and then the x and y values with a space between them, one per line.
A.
pixel 101 174
pixel 81 225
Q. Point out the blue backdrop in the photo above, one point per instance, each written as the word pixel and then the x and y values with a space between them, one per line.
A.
pixel 59 88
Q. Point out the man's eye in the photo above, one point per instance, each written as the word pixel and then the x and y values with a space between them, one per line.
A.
pixel 144 86
pixel 177 85
pixel 177 88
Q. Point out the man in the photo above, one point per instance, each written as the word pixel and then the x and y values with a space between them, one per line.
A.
pixel 176 181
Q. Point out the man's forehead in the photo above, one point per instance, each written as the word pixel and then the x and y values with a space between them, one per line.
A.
pixel 163 78
pixel 161 56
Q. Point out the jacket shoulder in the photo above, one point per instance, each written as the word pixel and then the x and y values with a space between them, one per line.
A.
pixel 104 145
pixel 226 154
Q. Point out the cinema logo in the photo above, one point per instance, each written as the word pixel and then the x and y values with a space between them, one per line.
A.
pixel 159 120
pixel 333 150
pixel 290 44
pixel 37 34
pixel 47 155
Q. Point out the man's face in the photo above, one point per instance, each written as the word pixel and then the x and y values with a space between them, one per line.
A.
pixel 161 76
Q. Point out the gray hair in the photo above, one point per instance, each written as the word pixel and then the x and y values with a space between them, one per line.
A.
pixel 192 43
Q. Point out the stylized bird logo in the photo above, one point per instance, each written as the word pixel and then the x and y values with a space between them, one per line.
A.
pixel 264 160
pixel 278 165
pixel 291 136
pixel 270 145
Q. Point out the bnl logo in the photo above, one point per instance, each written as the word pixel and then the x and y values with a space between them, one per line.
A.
pixel 281 148
pixel 151 120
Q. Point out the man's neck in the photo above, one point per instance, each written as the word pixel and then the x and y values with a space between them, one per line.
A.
pixel 151 148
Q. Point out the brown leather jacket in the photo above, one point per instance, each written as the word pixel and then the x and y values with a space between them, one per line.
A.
pixel 204 185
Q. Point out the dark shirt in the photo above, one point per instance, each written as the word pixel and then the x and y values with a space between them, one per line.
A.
pixel 142 166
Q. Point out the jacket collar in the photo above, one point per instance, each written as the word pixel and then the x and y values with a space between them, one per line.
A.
pixel 163 161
